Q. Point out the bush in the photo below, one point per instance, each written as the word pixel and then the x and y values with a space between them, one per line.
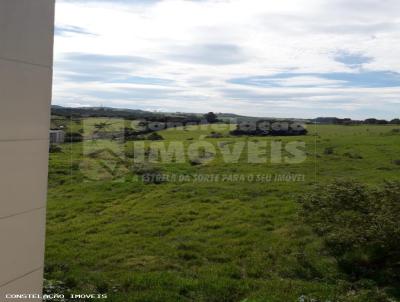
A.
pixel 73 137
pixel 155 137
pixel 55 148
pixel 360 227
pixel 131 134
pixel 195 162
pixel 52 287
pixel 149 173
pixel 329 151
pixel 215 135
pixel 353 155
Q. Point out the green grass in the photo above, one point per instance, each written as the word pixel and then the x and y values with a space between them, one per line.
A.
pixel 207 241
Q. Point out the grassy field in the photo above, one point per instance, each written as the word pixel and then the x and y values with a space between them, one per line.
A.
pixel 230 240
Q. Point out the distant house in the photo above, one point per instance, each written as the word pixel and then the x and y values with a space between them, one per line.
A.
pixel 57 136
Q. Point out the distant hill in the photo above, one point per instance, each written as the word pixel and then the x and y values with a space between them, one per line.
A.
pixel 349 121
pixel 138 114
pixel 133 114
pixel 231 117
pixel 101 112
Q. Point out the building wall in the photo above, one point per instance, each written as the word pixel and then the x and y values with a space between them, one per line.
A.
pixel 26 47
pixel 57 137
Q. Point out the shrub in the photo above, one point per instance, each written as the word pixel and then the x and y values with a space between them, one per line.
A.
pixel 55 148
pixel 131 134
pixel 195 162
pixel 360 227
pixel 73 137
pixel 51 287
pixel 215 135
pixel 149 173
pixel 155 137
pixel 353 155
pixel 329 150
pixel 397 162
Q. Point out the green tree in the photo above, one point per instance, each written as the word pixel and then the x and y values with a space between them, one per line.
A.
pixel 211 117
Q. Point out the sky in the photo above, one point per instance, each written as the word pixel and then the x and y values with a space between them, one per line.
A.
pixel 303 59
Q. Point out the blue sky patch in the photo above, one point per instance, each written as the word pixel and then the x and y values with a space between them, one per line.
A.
pixel 353 60
pixel 376 79
pixel 68 30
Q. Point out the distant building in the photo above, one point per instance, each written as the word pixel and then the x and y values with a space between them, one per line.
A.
pixel 57 136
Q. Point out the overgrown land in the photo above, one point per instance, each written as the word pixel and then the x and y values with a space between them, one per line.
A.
pixel 137 238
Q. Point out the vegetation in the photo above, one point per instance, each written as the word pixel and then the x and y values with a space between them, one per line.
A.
pixel 135 232
pixel 214 134
pixel 269 128
pixel 211 117
pixel 329 150
pixel 85 112
pixel 360 227
pixel 53 148
pixel 348 121
pixel 130 114
pixel 155 137
pixel 73 137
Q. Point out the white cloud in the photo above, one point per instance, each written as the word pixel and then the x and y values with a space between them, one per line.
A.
pixel 194 48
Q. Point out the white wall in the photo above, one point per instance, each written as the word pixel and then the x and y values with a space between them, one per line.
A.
pixel 26 47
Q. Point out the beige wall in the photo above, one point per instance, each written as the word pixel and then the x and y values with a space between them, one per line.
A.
pixel 26 46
